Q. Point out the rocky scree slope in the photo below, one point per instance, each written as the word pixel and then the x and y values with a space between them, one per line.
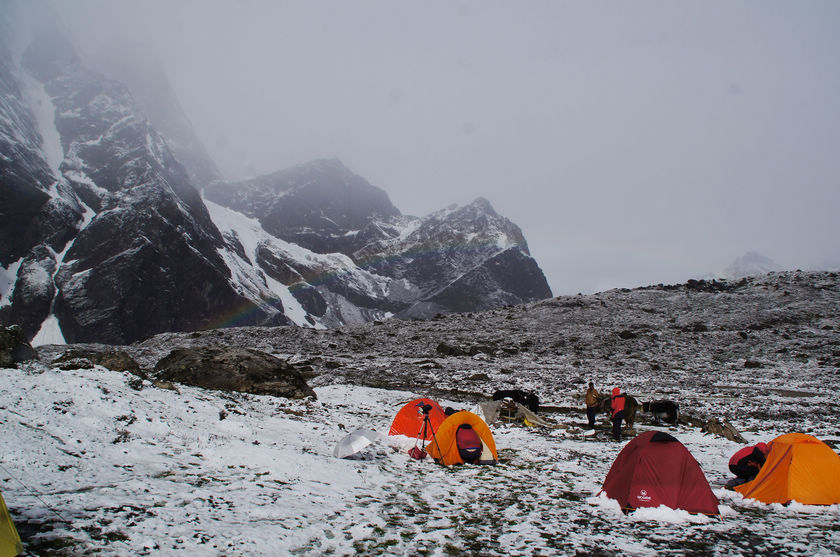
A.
pixel 759 349
pixel 760 353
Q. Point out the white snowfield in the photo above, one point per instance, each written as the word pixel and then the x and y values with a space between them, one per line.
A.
pixel 99 462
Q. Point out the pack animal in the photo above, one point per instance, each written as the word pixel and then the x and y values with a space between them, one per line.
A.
pixel 666 411
pixel 529 400
pixel 630 408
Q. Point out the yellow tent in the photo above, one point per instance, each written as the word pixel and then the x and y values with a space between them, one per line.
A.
pixel 800 468
pixel 444 446
pixel 9 539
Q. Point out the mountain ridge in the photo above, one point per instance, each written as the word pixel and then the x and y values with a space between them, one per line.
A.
pixel 119 243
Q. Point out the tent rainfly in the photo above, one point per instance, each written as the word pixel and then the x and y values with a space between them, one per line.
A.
pixel 798 467
pixel 446 447
pixel 655 469
pixel 10 544
pixel 409 419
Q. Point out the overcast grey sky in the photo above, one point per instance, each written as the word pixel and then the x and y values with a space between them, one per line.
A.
pixel 633 142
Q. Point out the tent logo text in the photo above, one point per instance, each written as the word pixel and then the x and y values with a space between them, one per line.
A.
pixel 643 496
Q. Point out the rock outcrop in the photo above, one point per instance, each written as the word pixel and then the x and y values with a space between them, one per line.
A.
pixel 233 369
pixel 14 348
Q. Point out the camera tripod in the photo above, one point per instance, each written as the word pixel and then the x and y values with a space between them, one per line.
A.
pixel 421 453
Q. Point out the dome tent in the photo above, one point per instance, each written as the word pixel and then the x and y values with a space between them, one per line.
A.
pixel 445 447
pixel 655 469
pixel 10 543
pixel 799 468
pixel 409 419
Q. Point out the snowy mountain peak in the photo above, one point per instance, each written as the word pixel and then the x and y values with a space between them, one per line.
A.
pixel 750 264
pixel 480 203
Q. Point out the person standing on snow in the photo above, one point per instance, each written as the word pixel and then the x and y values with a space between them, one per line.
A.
pixel 592 404
pixel 617 403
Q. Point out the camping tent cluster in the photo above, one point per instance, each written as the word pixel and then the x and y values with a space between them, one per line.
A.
pixel 457 438
pixel 653 469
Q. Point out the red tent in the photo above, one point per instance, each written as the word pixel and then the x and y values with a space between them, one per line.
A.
pixel 655 469
pixel 409 420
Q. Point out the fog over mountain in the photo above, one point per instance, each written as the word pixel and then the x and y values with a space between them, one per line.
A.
pixel 634 144
pixel 114 224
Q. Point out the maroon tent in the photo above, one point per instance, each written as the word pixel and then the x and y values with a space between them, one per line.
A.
pixel 655 469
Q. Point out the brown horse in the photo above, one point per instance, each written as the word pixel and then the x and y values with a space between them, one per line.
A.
pixel 630 407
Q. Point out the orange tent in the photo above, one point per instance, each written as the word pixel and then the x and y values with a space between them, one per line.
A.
pixel 799 468
pixel 409 420
pixel 444 448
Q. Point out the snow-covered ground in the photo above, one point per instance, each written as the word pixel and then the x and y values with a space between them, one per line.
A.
pixel 96 461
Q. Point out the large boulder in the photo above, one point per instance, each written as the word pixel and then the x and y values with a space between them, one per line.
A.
pixel 14 348
pixel 109 358
pixel 233 369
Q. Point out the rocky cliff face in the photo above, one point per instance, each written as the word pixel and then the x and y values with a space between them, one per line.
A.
pixel 106 238
pixel 458 259
pixel 128 247
pixel 153 93
pixel 320 206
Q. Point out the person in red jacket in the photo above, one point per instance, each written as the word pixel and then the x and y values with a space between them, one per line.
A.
pixel 617 402
pixel 748 461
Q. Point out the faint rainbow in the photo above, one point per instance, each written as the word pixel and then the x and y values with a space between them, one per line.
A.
pixel 248 312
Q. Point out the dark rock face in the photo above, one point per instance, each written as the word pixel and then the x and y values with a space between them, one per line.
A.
pixel 276 266
pixel 34 291
pixel 508 278
pixel 29 215
pixel 310 299
pixel 153 92
pixel 313 205
pixel 14 348
pixel 148 259
pixel 134 273
pixel 233 369
pixel 459 259
pixel 463 259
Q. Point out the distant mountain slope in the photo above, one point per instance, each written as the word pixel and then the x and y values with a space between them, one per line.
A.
pixel 750 264
pixel 448 261
pixel 105 237
pixel 320 205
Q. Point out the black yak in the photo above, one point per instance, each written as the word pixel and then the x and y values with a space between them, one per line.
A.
pixel 529 400
pixel 666 411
